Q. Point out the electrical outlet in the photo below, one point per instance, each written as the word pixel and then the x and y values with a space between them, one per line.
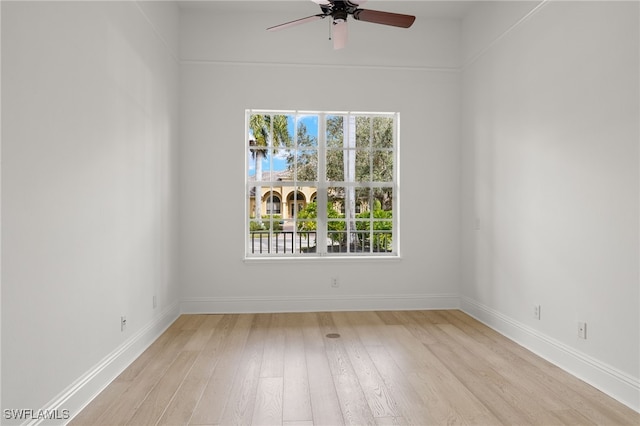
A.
pixel 536 311
pixel 334 282
pixel 123 323
pixel 582 330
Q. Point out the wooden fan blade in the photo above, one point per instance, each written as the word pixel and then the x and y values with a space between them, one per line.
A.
pixel 296 22
pixel 385 18
pixel 339 34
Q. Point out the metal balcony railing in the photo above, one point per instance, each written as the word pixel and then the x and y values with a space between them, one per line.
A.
pixel 282 242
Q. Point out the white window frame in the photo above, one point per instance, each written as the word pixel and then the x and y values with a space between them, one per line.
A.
pixel 322 185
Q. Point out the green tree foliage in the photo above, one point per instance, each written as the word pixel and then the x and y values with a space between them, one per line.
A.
pixel 381 227
pixel 305 158
pixel 269 132
pixel 307 221
pixel 374 152
pixel 336 229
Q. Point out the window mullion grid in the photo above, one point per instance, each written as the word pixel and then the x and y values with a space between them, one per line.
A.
pixel 247 199
pixel 349 154
pixel 370 150
pixel 270 157
pixel 395 234
pixel 322 185
pixel 295 180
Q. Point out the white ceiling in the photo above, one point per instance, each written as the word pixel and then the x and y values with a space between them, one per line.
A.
pixel 422 8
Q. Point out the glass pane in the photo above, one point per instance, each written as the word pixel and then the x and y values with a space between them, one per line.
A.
pixel 257 160
pixel 272 204
pixel 363 132
pixel 383 132
pixel 251 190
pixel 335 202
pixel 277 163
pixel 382 241
pixel 259 130
pixel 335 165
pixel 363 202
pixel 351 203
pixel 260 237
pixel 382 166
pixel 383 199
pixel 349 161
pixel 307 131
pixel 297 201
pixel 281 131
pixel 307 165
pixel 336 237
pixel 335 131
pixel 363 161
pixel 267 130
pixel 305 237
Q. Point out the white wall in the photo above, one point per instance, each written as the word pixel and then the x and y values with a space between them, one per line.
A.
pixel 230 63
pixel 551 185
pixel 88 193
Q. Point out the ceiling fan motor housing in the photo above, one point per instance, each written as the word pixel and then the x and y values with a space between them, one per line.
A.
pixel 339 15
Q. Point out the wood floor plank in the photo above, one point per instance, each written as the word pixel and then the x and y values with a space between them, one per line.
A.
pixel 563 387
pixel 413 409
pixel 354 406
pixel 242 393
pixel 378 397
pixel 202 333
pixel 386 368
pixel 482 384
pixel 273 358
pixel 123 408
pixel 181 408
pixel 216 393
pixel 268 406
pixel 390 421
pixel 140 363
pixel 479 380
pixel 573 418
pixel 519 383
pixel 322 392
pixel 193 322
pixel 367 325
pixel 96 408
pixel 155 403
pixel 445 396
pixel 297 399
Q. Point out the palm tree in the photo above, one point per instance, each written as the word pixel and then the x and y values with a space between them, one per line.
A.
pixel 267 133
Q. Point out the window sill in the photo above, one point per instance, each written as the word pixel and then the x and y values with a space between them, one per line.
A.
pixel 323 259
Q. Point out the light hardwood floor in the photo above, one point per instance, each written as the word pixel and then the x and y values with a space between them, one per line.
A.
pixel 399 367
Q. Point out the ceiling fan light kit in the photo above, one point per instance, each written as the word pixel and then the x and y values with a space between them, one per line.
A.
pixel 339 10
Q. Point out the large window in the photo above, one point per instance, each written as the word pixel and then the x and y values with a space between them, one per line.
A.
pixel 336 174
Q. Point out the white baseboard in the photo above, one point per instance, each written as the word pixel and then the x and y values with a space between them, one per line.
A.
pixel 78 395
pixel 198 305
pixel 606 378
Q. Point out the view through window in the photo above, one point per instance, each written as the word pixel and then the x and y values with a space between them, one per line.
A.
pixel 321 184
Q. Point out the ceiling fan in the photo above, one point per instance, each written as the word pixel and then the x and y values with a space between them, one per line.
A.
pixel 338 10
